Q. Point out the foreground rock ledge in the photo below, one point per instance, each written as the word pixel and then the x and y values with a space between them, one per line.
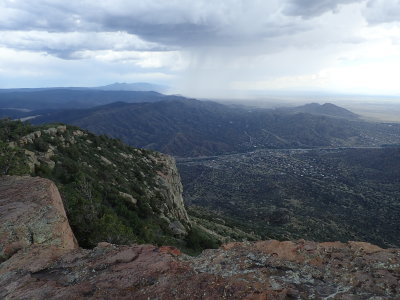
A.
pixel 261 270
pixel 55 268
pixel 31 213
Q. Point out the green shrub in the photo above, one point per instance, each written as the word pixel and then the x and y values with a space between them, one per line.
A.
pixel 110 228
pixel 198 239
pixel 41 145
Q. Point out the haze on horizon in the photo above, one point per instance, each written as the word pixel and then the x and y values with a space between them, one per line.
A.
pixel 230 48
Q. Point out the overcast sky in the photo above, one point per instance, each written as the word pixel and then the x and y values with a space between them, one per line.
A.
pixel 203 48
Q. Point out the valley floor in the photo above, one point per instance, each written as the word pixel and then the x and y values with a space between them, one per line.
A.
pixel 321 194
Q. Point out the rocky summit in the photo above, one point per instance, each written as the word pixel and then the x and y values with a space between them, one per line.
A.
pixel 54 267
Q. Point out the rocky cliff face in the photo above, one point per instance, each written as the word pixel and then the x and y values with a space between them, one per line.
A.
pixel 57 269
pixel 31 213
pixel 170 188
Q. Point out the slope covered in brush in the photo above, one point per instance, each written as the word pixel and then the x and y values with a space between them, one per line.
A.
pixel 111 192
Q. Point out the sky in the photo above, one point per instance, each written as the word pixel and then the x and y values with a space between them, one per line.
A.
pixel 204 48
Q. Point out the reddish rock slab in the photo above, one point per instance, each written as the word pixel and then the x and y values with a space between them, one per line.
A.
pixel 259 270
pixel 171 250
pixel 113 272
pixel 307 270
pixel 31 213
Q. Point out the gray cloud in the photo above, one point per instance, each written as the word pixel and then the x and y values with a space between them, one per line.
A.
pixel 66 44
pixel 382 11
pixel 313 8
pixel 167 24
pixel 210 44
pixel 175 23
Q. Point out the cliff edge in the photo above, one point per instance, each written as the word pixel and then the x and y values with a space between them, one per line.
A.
pixel 53 267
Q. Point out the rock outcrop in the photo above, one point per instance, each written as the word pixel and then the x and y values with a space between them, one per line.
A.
pixel 31 213
pixel 48 264
pixel 170 188
pixel 306 270
pixel 261 270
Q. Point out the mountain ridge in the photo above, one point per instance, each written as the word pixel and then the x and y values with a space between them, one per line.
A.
pixel 64 98
pixel 136 86
pixel 189 127
pixel 326 109
pixel 119 86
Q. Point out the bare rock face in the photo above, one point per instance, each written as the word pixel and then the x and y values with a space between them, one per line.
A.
pixel 31 213
pixel 260 270
pixel 307 270
pixel 170 187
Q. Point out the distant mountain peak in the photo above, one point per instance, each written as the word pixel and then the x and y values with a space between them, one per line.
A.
pixel 327 109
pixel 136 86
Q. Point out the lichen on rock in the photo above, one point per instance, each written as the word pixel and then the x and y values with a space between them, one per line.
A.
pixel 31 213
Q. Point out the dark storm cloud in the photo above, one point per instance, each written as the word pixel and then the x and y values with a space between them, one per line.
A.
pixel 200 35
pixel 66 28
pixel 183 34
pixel 173 23
pixel 38 15
pixel 68 45
pixel 313 8
pixel 188 24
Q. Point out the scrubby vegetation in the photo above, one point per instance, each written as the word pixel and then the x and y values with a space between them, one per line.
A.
pixel 227 229
pixel 110 190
